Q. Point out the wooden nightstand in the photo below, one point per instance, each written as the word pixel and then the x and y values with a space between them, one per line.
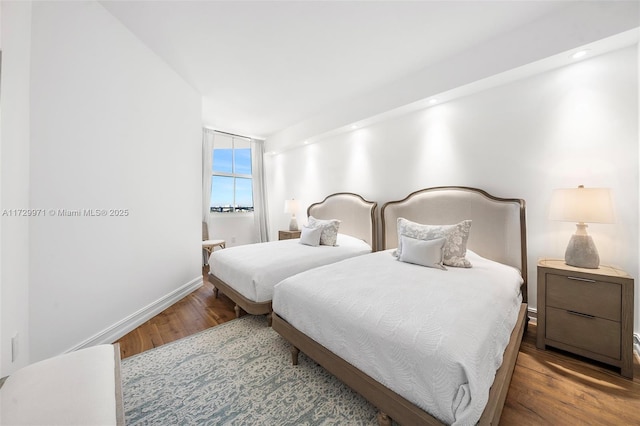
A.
pixel 588 312
pixel 288 235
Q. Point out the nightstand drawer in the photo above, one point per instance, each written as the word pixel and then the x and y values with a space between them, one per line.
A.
pixel 288 235
pixel 594 334
pixel 578 294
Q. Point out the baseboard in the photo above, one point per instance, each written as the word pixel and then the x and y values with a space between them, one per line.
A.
pixel 533 315
pixel 119 329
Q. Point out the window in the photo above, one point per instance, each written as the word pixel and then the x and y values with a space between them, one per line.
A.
pixel 231 189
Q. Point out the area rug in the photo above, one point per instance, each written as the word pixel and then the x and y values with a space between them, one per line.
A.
pixel 236 373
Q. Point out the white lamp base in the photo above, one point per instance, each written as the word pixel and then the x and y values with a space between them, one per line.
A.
pixel 581 251
pixel 293 224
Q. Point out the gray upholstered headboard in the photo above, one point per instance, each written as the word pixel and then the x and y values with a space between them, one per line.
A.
pixel 498 228
pixel 356 214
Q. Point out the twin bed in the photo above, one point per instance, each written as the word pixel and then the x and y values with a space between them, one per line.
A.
pixel 247 274
pixel 425 345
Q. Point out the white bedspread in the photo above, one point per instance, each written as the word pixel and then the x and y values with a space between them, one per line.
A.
pixel 434 337
pixel 254 269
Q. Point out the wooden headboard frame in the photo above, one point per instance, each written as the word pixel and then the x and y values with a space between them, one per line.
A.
pixel 356 214
pixel 498 229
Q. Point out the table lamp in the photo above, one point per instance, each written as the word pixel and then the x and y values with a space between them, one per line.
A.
pixel 582 205
pixel 291 207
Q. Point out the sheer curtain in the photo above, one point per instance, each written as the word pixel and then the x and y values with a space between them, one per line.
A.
pixel 259 193
pixel 207 155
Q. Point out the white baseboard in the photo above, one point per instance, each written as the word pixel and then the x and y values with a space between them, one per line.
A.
pixel 122 327
pixel 533 315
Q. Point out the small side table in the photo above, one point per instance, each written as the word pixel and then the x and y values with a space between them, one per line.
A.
pixel 588 312
pixel 208 246
pixel 288 235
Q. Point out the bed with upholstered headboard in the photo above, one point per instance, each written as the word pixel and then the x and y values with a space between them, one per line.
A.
pixel 357 216
pixel 499 224
pixel 246 274
pixel 423 341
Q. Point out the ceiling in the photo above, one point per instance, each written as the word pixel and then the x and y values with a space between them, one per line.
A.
pixel 264 66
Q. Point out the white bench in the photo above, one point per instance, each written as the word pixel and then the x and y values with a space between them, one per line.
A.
pixel 78 388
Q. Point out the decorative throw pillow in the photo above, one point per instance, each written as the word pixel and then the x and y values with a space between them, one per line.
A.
pixel 420 252
pixel 456 237
pixel 310 236
pixel 329 235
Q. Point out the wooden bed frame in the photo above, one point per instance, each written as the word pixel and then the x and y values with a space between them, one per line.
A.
pixel 498 233
pixel 358 219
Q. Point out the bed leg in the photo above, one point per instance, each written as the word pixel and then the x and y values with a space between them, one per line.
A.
pixel 215 292
pixel 269 319
pixel 294 355
pixel 237 309
pixel 383 419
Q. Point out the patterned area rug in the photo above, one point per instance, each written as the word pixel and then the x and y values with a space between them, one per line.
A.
pixel 237 373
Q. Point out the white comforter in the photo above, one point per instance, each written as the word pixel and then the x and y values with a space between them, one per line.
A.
pixel 434 337
pixel 254 269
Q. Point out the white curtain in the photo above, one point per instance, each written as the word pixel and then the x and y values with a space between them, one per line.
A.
pixel 259 193
pixel 207 152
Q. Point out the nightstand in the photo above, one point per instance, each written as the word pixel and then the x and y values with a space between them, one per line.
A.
pixel 288 235
pixel 588 312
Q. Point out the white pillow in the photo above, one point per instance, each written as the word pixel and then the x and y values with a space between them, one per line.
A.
pixel 329 228
pixel 423 252
pixel 310 236
pixel 456 235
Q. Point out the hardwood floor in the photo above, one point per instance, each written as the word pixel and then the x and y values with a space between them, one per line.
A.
pixel 548 387
pixel 556 388
pixel 196 312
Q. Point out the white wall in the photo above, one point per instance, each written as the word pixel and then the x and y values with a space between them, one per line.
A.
pixel 112 127
pixel 570 126
pixel 14 178
pixel 236 229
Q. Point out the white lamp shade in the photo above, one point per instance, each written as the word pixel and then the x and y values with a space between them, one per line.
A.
pixel 584 205
pixel 291 206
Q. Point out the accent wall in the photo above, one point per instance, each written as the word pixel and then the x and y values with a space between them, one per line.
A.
pixel 561 128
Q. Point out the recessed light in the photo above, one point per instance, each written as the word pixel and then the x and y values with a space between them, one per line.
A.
pixel 433 101
pixel 580 54
pixel 353 126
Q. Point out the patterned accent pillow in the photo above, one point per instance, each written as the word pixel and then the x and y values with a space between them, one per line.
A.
pixel 329 235
pixel 456 237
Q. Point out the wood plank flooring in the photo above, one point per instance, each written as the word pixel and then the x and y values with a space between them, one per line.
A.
pixel 548 387
pixel 196 312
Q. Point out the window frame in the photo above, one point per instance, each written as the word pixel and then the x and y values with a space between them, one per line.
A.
pixel 233 175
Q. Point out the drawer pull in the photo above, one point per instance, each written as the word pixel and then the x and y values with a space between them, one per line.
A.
pixel 580 314
pixel 582 279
